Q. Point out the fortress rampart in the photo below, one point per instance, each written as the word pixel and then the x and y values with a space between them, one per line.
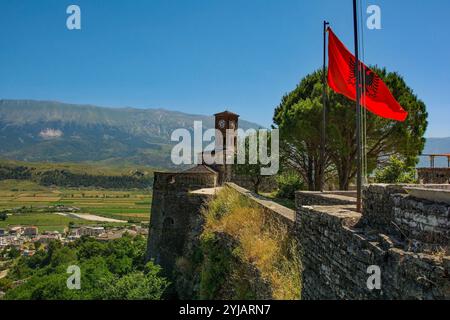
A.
pixel 277 211
pixel 434 175
pixel 175 214
pixel 405 237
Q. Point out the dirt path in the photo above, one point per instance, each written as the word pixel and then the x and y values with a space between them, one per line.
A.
pixel 90 217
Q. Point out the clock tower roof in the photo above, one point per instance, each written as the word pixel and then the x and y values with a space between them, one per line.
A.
pixel 226 112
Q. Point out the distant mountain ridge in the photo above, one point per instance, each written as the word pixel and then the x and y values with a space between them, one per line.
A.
pixel 60 132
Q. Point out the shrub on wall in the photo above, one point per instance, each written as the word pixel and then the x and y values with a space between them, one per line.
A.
pixel 288 183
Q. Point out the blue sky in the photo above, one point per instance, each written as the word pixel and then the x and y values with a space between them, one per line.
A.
pixel 202 56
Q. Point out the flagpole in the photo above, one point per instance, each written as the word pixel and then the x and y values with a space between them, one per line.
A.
pixel 324 101
pixel 358 110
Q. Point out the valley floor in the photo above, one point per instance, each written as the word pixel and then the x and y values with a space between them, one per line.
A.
pixel 29 204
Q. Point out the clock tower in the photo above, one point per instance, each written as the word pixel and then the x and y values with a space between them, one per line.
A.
pixel 226 121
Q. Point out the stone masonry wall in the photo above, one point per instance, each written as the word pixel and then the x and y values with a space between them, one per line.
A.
pixel 305 198
pixel 405 237
pixel 187 275
pixel 338 246
pixel 285 215
pixel 420 220
pixel 434 175
pixel 378 206
pixel 388 209
pixel 175 220
pixel 268 183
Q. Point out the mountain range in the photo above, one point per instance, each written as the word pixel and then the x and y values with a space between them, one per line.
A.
pixel 47 131
pixel 60 132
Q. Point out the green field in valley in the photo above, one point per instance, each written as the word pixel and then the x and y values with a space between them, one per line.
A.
pixel 127 205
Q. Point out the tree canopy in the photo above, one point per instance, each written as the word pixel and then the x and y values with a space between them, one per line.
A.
pixel 253 166
pixel 395 172
pixel 299 118
pixel 109 271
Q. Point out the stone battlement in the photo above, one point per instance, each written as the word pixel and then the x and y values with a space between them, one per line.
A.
pixel 406 238
pixel 389 209
pixel 285 214
pixel 434 175
pixel 184 181
pixel 306 198
pixel 175 214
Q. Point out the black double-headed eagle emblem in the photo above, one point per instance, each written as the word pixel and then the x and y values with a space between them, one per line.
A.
pixel 370 81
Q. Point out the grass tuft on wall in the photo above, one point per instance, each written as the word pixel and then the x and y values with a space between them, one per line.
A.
pixel 247 253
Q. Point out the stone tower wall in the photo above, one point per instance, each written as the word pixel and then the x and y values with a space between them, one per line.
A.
pixel 175 217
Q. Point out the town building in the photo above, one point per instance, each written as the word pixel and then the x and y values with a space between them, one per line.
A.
pixel 15 231
pixel 30 231
pixel 28 253
pixel 11 240
pixel 91 231
pixel 46 238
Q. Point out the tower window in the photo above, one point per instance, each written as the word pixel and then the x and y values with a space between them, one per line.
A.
pixel 168 223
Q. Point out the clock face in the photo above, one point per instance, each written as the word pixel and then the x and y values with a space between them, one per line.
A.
pixel 232 125
pixel 222 124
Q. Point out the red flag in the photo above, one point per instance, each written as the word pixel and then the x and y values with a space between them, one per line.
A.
pixel 375 95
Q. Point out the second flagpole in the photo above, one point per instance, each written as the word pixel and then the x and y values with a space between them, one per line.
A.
pixel 324 101
pixel 358 110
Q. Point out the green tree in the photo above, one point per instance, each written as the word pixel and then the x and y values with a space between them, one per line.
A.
pixel 396 171
pixel 13 253
pixel 113 270
pixel 288 183
pixel 249 169
pixel 299 118
pixel 3 216
pixel 146 285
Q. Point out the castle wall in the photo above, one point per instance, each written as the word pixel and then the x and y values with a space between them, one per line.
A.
pixel 378 206
pixel 423 221
pixel 388 209
pixel 306 198
pixel 175 219
pixel 268 183
pixel 434 175
pixel 275 210
pixel 338 247
pixel 407 238
pixel 227 174
pixel 187 279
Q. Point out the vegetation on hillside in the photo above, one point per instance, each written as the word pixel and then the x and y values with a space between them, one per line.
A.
pixel 115 270
pixel 244 253
pixel 66 175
